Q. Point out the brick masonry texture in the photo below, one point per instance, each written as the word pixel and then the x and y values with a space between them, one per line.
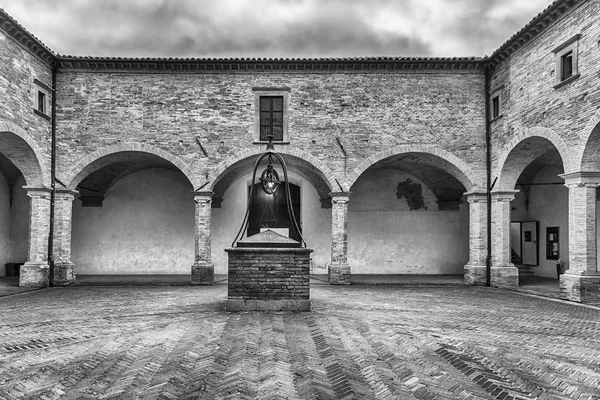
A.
pixel 359 342
pixel 268 274
pixel 369 112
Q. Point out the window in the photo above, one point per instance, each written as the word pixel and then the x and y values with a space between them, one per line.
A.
pixel 566 61
pixel 496 103
pixel 41 99
pixel 271 118
pixel 271 106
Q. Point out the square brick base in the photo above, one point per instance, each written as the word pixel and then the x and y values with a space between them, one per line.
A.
pixel 64 274
pixel 34 275
pixel 267 305
pixel 475 274
pixel 504 276
pixel 339 274
pixel 203 273
pixel 580 288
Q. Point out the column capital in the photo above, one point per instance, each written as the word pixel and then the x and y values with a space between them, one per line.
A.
pixel 340 197
pixel 504 195
pixel 67 193
pixel 581 178
pixel 203 196
pixel 477 196
pixel 36 191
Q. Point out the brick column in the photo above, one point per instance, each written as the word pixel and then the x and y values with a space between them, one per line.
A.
pixel 64 269
pixel 581 282
pixel 203 270
pixel 339 270
pixel 503 272
pixel 36 271
pixel 475 272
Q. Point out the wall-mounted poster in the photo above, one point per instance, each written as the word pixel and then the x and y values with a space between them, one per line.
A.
pixel 552 248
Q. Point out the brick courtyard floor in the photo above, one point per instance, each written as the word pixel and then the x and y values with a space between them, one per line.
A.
pixel 361 342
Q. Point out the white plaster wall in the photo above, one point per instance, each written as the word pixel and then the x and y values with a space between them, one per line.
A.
pixel 316 222
pixel 549 204
pixel 385 237
pixel 145 226
pixel 19 223
pixel 4 224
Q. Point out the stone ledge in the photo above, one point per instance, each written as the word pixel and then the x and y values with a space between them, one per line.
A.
pixel 267 305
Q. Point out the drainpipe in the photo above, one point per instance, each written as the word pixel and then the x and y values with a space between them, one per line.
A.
pixel 488 167
pixel 52 177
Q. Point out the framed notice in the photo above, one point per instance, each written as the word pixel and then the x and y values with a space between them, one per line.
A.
pixel 552 247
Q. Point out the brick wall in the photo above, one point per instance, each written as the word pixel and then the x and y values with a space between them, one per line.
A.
pixel 17 91
pixel 369 112
pixel 268 274
pixel 529 98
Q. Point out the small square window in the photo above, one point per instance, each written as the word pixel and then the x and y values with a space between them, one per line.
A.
pixel 41 99
pixel 566 61
pixel 271 106
pixel 496 104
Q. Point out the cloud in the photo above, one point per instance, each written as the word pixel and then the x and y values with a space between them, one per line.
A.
pixel 269 28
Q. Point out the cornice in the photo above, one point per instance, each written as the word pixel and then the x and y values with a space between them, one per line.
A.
pixel 25 38
pixel 208 65
pixel 533 29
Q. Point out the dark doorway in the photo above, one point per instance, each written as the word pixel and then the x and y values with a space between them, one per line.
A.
pixel 270 211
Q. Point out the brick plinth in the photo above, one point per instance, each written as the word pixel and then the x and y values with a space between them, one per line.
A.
pixel 34 275
pixel 64 274
pixel 475 274
pixel 580 288
pixel 339 274
pixel 203 273
pixel 504 276
pixel 267 279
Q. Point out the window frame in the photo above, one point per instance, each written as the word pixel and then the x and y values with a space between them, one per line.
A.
pixel 40 89
pixel 496 94
pixel 570 46
pixel 271 92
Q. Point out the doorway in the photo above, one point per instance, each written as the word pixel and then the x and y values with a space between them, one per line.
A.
pixel 524 242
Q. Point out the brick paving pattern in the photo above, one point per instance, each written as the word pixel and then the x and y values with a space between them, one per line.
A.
pixel 360 342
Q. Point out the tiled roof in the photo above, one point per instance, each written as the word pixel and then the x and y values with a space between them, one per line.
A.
pixel 533 28
pixel 26 38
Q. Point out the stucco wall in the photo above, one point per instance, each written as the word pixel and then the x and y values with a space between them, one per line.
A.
pixel 316 222
pixel 4 224
pixel 386 237
pixel 145 226
pixel 369 112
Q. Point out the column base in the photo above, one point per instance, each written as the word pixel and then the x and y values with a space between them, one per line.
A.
pixel 34 275
pixel 504 276
pixel 64 274
pixel 203 273
pixel 475 275
pixel 339 274
pixel 580 288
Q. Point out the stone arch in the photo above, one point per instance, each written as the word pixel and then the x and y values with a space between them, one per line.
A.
pixel 101 157
pixel 525 148
pixel 456 167
pixel 22 150
pixel 589 157
pixel 322 177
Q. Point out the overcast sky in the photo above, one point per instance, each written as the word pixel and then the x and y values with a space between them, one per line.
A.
pixel 273 28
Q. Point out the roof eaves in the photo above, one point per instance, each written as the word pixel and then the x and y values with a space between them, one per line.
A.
pixel 15 30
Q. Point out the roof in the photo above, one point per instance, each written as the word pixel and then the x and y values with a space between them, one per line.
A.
pixel 523 36
pixel 535 27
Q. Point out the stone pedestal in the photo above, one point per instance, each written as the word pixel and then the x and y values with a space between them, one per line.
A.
pixel 268 278
pixel 581 288
pixel 475 272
